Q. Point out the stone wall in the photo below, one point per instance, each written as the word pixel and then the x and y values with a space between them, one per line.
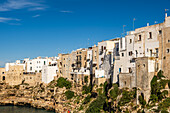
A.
pixel 126 80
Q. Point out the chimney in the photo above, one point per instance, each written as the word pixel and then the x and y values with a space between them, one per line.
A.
pixel 147 24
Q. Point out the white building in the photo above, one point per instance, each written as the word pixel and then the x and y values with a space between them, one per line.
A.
pixel 48 72
pixel 107 51
pixel 18 62
pixel 35 65
pixel 143 42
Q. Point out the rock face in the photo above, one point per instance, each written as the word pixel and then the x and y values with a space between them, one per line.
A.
pixel 40 96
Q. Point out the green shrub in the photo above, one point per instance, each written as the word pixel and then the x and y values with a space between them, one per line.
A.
pixel 142 101
pixel 62 82
pixel 164 111
pixel 96 105
pixel 86 89
pixel 165 104
pixel 127 96
pixel 99 91
pixel 69 94
pixel 114 92
pixel 87 100
pixel 160 74
pixel 86 79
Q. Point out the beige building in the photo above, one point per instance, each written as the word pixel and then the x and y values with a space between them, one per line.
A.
pixel 2 74
pixel 16 75
pixel 79 69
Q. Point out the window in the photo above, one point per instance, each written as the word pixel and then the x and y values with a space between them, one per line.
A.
pixel 136 53
pixel 157 52
pixel 139 38
pixel 167 50
pixel 3 78
pixel 150 35
pixel 151 53
pixel 104 48
pixel 168 41
pixel 130 70
pixel 120 70
pixel 44 63
pixel 130 53
pixel 30 68
pixel 3 72
pixel 122 54
pixel 160 32
pixel 130 41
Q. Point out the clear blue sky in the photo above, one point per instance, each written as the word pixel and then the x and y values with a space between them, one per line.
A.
pixel 31 28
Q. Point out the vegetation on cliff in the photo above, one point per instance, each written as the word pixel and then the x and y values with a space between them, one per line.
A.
pixel 62 82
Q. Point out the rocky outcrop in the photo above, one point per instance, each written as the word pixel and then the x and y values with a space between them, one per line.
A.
pixel 41 96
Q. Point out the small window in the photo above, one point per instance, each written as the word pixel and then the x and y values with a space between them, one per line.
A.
pixel 125 82
pixel 101 48
pixel 167 50
pixel 120 70
pixel 168 41
pixel 150 35
pixel 122 54
pixel 104 48
pixel 30 68
pixel 143 65
pixel 44 63
pixel 3 78
pixel 160 32
pixel 3 72
pixel 139 38
pixel 151 53
pixel 130 41
pixel 130 70
pixel 157 52
pixel 130 53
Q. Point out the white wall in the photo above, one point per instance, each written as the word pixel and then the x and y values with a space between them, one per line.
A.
pixel 48 73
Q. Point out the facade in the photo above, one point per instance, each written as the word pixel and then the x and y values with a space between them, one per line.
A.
pixel 79 69
pixel 35 65
pixel 143 42
pixel 107 50
pixel 2 74
pixel 144 73
pixel 49 72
